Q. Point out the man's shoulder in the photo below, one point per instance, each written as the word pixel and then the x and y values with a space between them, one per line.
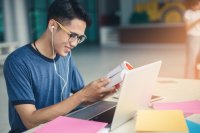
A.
pixel 19 53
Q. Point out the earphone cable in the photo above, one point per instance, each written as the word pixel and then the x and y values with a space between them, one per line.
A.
pixel 65 82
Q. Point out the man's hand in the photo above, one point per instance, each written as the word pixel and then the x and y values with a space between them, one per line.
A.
pixel 96 90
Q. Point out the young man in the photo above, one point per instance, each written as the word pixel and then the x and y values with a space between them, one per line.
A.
pixel 40 76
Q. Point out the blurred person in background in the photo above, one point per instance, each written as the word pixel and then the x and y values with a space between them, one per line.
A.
pixel 192 22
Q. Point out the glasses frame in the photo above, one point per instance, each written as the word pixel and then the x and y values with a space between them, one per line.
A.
pixel 70 34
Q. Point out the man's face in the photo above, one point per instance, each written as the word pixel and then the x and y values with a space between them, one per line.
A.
pixel 68 36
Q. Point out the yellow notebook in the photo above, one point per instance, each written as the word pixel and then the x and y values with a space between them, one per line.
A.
pixel 161 121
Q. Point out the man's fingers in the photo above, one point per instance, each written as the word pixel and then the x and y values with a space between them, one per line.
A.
pixel 107 90
pixel 103 81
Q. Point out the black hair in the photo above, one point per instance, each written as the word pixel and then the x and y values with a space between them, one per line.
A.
pixel 66 10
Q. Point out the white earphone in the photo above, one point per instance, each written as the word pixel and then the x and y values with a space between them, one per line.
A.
pixel 51 29
pixel 65 81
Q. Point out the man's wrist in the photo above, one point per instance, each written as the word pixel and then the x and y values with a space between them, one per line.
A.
pixel 82 96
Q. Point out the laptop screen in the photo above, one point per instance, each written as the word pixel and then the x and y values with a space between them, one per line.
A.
pixel 136 92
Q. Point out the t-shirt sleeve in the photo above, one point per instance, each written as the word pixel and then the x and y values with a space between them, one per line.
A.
pixel 78 82
pixel 18 82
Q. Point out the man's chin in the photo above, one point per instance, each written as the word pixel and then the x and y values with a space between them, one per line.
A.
pixel 64 54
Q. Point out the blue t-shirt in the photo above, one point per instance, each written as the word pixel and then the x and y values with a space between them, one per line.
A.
pixel 31 79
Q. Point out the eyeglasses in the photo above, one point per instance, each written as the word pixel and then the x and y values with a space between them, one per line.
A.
pixel 73 36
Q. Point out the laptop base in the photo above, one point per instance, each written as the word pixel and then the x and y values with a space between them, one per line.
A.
pixel 102 111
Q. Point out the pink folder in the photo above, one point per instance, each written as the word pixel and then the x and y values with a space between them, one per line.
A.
pixel 188 107
pixel 71 125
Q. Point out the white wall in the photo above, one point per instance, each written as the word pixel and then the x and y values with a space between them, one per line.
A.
pixel 126 10
pixel 16 21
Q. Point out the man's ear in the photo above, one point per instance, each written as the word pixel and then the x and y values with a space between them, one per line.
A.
pixel 51 25
pixel 52 28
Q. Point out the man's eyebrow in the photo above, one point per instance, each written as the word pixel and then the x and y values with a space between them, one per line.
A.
pixel 75 33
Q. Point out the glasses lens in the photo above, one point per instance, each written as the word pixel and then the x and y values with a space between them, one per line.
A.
pixel 81 38
pixel 73 37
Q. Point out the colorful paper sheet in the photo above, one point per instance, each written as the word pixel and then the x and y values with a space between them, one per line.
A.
pixel 71 125
pixel 193 127
pixel 188 107
pixel 160 121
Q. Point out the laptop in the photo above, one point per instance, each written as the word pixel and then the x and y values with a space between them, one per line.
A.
pixel 136 92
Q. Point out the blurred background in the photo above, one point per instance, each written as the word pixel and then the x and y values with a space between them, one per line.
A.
pixel 138 31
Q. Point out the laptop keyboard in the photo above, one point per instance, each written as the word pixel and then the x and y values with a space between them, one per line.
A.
pixel 106 116
pixel 93 110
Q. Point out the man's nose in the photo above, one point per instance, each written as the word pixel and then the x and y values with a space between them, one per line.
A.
pixel 73 44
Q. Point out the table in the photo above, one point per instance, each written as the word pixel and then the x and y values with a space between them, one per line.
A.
pixel 172 90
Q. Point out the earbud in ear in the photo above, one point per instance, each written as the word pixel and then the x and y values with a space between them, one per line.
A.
pixel 52 27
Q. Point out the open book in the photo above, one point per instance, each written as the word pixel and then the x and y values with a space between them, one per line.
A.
pixel 117 74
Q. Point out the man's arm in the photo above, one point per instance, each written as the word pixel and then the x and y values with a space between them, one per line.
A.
pixel 31 117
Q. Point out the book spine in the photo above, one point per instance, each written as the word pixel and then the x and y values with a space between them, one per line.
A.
pixel 117 79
